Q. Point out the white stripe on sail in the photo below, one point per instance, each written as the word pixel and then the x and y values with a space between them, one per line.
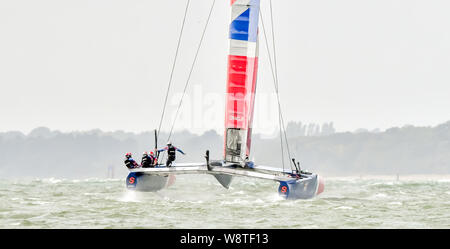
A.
pixel 237 10
pixel 243 48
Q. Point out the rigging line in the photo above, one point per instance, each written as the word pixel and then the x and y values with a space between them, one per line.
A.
pixel 276 76
pixel 192 68
pixel 173 65
pixel 190 73
pixel 276 88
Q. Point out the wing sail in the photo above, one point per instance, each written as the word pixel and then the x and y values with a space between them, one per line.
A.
pixel 241 81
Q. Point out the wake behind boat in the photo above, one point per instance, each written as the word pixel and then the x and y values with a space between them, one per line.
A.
pixel 240 100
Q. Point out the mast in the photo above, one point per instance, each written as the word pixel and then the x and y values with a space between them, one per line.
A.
pixel 241 81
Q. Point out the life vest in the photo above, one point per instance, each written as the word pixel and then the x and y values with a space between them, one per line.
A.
pixel 130 163
pixel 152 160
pixel 171 152
pixel 146 161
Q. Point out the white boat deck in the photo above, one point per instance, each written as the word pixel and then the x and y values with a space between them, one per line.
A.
pixel 262 172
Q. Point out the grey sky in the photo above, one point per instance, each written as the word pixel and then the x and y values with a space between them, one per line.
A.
pixel 84 64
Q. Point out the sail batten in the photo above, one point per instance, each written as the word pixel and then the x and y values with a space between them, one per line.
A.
pixel 241 80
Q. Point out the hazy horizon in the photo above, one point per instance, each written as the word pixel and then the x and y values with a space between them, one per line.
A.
pixel 276 133
pixel 405 150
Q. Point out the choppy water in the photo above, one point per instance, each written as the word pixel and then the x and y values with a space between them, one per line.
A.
pixel 200 202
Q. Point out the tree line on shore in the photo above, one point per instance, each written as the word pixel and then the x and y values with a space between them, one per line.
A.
pixel 399 150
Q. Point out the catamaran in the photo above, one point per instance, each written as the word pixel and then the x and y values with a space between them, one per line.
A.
pixel 294 183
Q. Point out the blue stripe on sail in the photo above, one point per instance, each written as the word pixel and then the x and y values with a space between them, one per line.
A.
pixel 239 26
pixel 245 26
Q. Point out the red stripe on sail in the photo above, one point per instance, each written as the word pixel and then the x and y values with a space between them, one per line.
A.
pixel 252 107
pixel 241 86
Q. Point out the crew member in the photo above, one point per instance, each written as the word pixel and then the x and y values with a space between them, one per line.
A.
pixel 130 162
pixel 153 159
pixel 146 160
pixel 248 164
pixel 171 151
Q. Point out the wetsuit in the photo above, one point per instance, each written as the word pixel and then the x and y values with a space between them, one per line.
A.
pixel 131 163
pixel 170 155
pixel 152 161
pixel 171 151
pixel 146 161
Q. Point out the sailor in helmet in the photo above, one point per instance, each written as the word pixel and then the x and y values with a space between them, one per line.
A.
pixel 130 162
pixel 171 151
pixel 146 160
pixel 154 161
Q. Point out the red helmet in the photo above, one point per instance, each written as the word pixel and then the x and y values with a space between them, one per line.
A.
pixel 151 152
pixel 128 154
